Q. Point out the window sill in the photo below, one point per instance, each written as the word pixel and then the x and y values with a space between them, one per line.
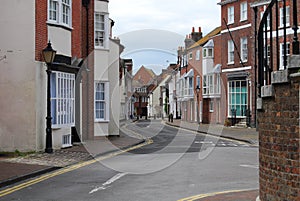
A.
pixel 243 20
pixel 57 127
pixel 101 121
pixel 231 63
pixel 101 48
pixel 63 26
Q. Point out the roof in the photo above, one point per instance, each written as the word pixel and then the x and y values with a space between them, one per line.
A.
pixel 144 75
pixel 203 40
pixel 150 71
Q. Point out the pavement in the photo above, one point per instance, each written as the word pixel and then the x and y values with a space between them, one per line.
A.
pixel 16 169
pixel 248 135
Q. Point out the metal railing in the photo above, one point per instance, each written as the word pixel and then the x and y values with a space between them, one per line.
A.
pixel 273 42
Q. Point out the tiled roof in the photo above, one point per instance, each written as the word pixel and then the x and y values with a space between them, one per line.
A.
pixel 203 40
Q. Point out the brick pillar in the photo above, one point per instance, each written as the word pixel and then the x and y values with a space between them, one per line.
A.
pixel 278 121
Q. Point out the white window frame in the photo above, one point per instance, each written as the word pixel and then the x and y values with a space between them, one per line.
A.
pixel 244 49
pixel 218 84
pixel 104 99
pixel 230 14
pixel 197 55
pixel 211 85
pixel 62 12
pixel 101 30
pixel 191 86
pixel 287 17
pixel 66 6
pixel 205 85
pixel 208 52
pixel 244 11
pixel 190 56
pixel 198 81
pixel 211 106
pixel 62 99
pixel 288 52
pixel 230 52
pixel 238 95
pixel 186 86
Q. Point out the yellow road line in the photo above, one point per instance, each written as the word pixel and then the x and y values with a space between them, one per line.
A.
pixel 68 169
pixel 196 197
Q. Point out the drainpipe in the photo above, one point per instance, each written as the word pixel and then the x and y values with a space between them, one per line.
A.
pixel 255 66
pixel 86 3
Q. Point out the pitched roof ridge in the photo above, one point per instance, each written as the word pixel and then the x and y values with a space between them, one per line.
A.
pixel 205 38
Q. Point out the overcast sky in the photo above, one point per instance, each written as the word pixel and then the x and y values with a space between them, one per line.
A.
pixel 137 20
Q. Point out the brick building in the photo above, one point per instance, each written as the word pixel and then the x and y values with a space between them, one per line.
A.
pixel 237 59
pixel 278 81
pixel 82 79
pixel 142 80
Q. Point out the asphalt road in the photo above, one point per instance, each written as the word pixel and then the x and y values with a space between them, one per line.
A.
pixel 178 164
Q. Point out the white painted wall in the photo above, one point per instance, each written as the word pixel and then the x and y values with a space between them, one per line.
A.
pixel 17 77
pixel 61 40
pixel 101 6
pixel 101 64
pixel 113 73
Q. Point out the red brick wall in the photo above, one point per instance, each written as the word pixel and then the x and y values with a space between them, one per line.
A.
pixel 90 29
pixel 77 28
pixel 280 144
pixel 41 34
pixel 237 35
pixel 143 76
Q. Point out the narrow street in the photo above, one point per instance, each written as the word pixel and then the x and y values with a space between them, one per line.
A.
pixel 178 164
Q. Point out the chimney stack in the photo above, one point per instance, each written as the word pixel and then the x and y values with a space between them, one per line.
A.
pixel 196 35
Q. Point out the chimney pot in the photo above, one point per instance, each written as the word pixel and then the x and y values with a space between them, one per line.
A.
pixel 193 29
pixel 199 29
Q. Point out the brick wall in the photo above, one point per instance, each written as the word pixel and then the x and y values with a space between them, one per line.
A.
pixel 41 35
pixel 279 144
pixel 77 28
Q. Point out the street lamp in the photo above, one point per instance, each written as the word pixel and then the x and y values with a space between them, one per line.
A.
pixel 48 54
pixel 198 91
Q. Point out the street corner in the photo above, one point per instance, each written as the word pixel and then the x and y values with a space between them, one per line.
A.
pixel 234 195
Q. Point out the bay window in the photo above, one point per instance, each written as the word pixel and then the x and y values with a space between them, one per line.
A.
pixel 60 12
pixel 62 99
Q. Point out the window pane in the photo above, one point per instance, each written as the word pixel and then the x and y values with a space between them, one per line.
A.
pixel 63 102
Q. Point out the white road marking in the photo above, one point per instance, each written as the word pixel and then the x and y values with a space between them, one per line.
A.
pixel 108 182
pixel 250 166
pixel 203 142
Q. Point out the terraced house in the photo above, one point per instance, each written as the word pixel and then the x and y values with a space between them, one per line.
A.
pixel 82 76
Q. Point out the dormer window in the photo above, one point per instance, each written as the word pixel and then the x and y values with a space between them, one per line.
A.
pixel 208 49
